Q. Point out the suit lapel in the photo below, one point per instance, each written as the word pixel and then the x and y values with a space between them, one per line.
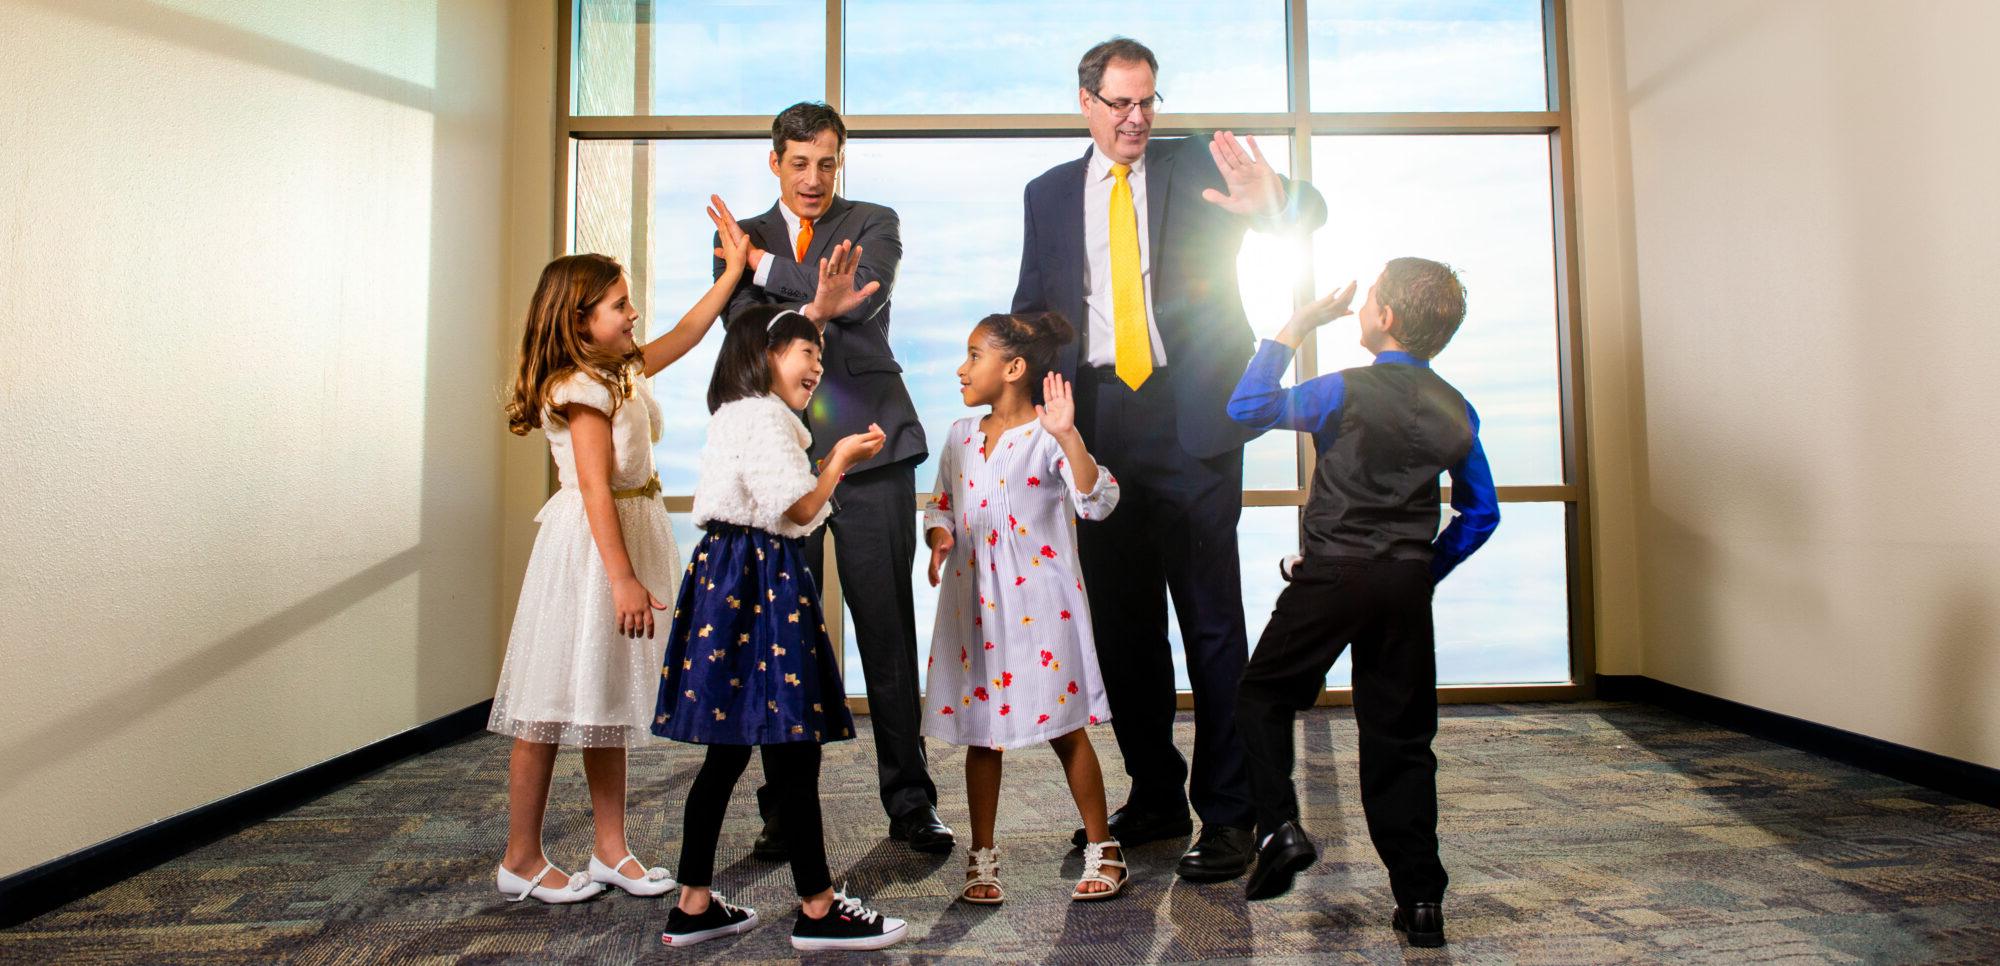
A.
pixel 1159 181
pixel 768 231
pixel 1068 227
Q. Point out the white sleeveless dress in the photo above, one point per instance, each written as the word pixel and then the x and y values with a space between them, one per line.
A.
pixel 570 678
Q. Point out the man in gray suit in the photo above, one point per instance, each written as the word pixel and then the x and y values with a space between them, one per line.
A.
pixel 874 529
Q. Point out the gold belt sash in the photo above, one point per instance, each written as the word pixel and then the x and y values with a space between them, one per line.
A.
pixel 650 490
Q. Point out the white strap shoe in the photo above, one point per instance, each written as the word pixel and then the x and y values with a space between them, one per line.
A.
pixel 655 881
pixel 983 869
pixel 1094 864
pixel 578 888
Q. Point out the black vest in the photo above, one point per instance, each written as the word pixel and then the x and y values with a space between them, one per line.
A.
pixel 1375 490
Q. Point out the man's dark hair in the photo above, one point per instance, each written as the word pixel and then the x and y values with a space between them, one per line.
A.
pixel 803 122
pixel 1429 302
pixel 1090 70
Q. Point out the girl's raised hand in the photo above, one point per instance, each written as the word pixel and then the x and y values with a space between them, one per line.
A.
pixel 634 605
pixel 860 447
pixel 941 544
pixel 734 247
pixel 1058 408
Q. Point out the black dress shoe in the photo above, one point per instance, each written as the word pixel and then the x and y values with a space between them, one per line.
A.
pixel 1284 854
pixel 1423 922
pixel 1220 854
pixel 770 844
pixel 1133 827
pixel 922 828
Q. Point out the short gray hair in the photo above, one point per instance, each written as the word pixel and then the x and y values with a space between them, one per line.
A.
pixel 1090 70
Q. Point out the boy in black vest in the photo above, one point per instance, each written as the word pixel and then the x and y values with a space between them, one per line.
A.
pixel 1372 555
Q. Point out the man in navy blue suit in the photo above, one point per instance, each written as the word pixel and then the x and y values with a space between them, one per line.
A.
pixel 1136 242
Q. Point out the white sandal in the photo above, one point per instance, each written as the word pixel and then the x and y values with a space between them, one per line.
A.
pixel 654 881
pixel 578 888
pixel 1094 864
pixel 984 864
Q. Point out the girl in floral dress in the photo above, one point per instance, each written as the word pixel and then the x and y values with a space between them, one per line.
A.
pixel 1012 662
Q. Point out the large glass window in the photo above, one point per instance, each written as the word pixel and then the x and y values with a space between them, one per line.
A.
pixel 953 106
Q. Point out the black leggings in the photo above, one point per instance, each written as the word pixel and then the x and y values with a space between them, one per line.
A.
pixel 793 768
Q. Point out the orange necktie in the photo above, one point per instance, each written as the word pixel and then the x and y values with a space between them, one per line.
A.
pixel 805 238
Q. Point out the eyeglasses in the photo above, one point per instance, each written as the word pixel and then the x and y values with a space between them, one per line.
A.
pixel 1124 108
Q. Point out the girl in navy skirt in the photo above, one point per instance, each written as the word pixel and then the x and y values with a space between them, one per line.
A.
pixel 748 662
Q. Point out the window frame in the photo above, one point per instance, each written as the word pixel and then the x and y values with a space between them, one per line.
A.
pixel 1301 124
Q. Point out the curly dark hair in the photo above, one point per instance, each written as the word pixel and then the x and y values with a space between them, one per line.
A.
pixel 1034 337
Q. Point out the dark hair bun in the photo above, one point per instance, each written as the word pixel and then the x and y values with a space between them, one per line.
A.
pixel 1035 337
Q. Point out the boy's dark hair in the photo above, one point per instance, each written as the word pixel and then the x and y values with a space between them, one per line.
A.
pixel 742 368
pixel 1429 302
pixel 1035 338
pixel 1090 70
pixel 803 122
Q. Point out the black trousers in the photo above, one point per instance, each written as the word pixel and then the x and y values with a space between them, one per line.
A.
pixel 793 768
pixel 875 537
pixel 1174 531
pixel 1382 608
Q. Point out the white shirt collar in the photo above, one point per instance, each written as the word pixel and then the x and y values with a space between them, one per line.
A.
pixel 792 220
pixel 1100 166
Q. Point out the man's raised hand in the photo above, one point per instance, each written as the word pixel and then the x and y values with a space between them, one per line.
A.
pixel 837 294
pixel 1255 190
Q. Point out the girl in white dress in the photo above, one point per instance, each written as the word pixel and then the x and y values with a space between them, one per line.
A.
pixel 1012 657
pixel 581 662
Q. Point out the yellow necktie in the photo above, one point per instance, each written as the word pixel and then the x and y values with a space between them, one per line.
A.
pixel 805 238
pixel 1132 354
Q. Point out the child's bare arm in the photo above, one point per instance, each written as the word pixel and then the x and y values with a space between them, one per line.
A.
pixel 733 245
pixel 590 433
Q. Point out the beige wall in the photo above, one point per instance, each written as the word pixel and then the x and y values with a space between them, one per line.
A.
pixel 257 291
pixel 1790 221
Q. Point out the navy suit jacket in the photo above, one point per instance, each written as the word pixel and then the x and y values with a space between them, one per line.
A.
pixel 1196 303
pixel 863 382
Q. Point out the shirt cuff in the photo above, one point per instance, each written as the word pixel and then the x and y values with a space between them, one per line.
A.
pixel 762 276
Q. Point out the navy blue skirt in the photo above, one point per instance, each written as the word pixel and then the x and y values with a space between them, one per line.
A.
pixel 748 660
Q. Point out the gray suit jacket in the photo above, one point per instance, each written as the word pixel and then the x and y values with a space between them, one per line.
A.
pixel 863 382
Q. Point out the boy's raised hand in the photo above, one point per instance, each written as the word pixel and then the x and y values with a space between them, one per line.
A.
pixel 941 544
pixel 1314 314
pixel 1058 408
pixel 837 294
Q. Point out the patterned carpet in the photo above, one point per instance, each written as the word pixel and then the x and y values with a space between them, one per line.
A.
pixel 1575 833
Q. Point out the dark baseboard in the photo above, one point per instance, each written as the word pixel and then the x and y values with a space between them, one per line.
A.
pixel 1972 782
pixel 31 892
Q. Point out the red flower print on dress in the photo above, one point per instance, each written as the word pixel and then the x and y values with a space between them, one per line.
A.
pixel 1072 687
pixel 1093 719
pixel 1065 615
pixel 1059 464
pixel 1034 481
pixel 1044 719
pixel 992 537
pixel 1006 678
pixel 1018 581
pixel 947 709
pixel 1011 522
pixel 961 653
pixel 1048 551
pixel 979 693
pixel 1006 708
pixel 944 501
pixel 1046 658
pixel 989 645
pixel 982 504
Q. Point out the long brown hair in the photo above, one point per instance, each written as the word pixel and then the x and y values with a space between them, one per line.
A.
pixel 554 343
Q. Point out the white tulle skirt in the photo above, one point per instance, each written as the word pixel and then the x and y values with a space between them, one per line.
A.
pixel 570 678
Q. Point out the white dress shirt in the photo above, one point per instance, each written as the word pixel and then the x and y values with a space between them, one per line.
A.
pixel 1097 185
pixel 762 276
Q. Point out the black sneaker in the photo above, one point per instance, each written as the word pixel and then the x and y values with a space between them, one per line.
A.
pixel 719 919
pixel 850 924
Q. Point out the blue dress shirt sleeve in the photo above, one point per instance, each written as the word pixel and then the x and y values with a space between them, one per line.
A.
pixel 1477 505
pixel 1262 404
